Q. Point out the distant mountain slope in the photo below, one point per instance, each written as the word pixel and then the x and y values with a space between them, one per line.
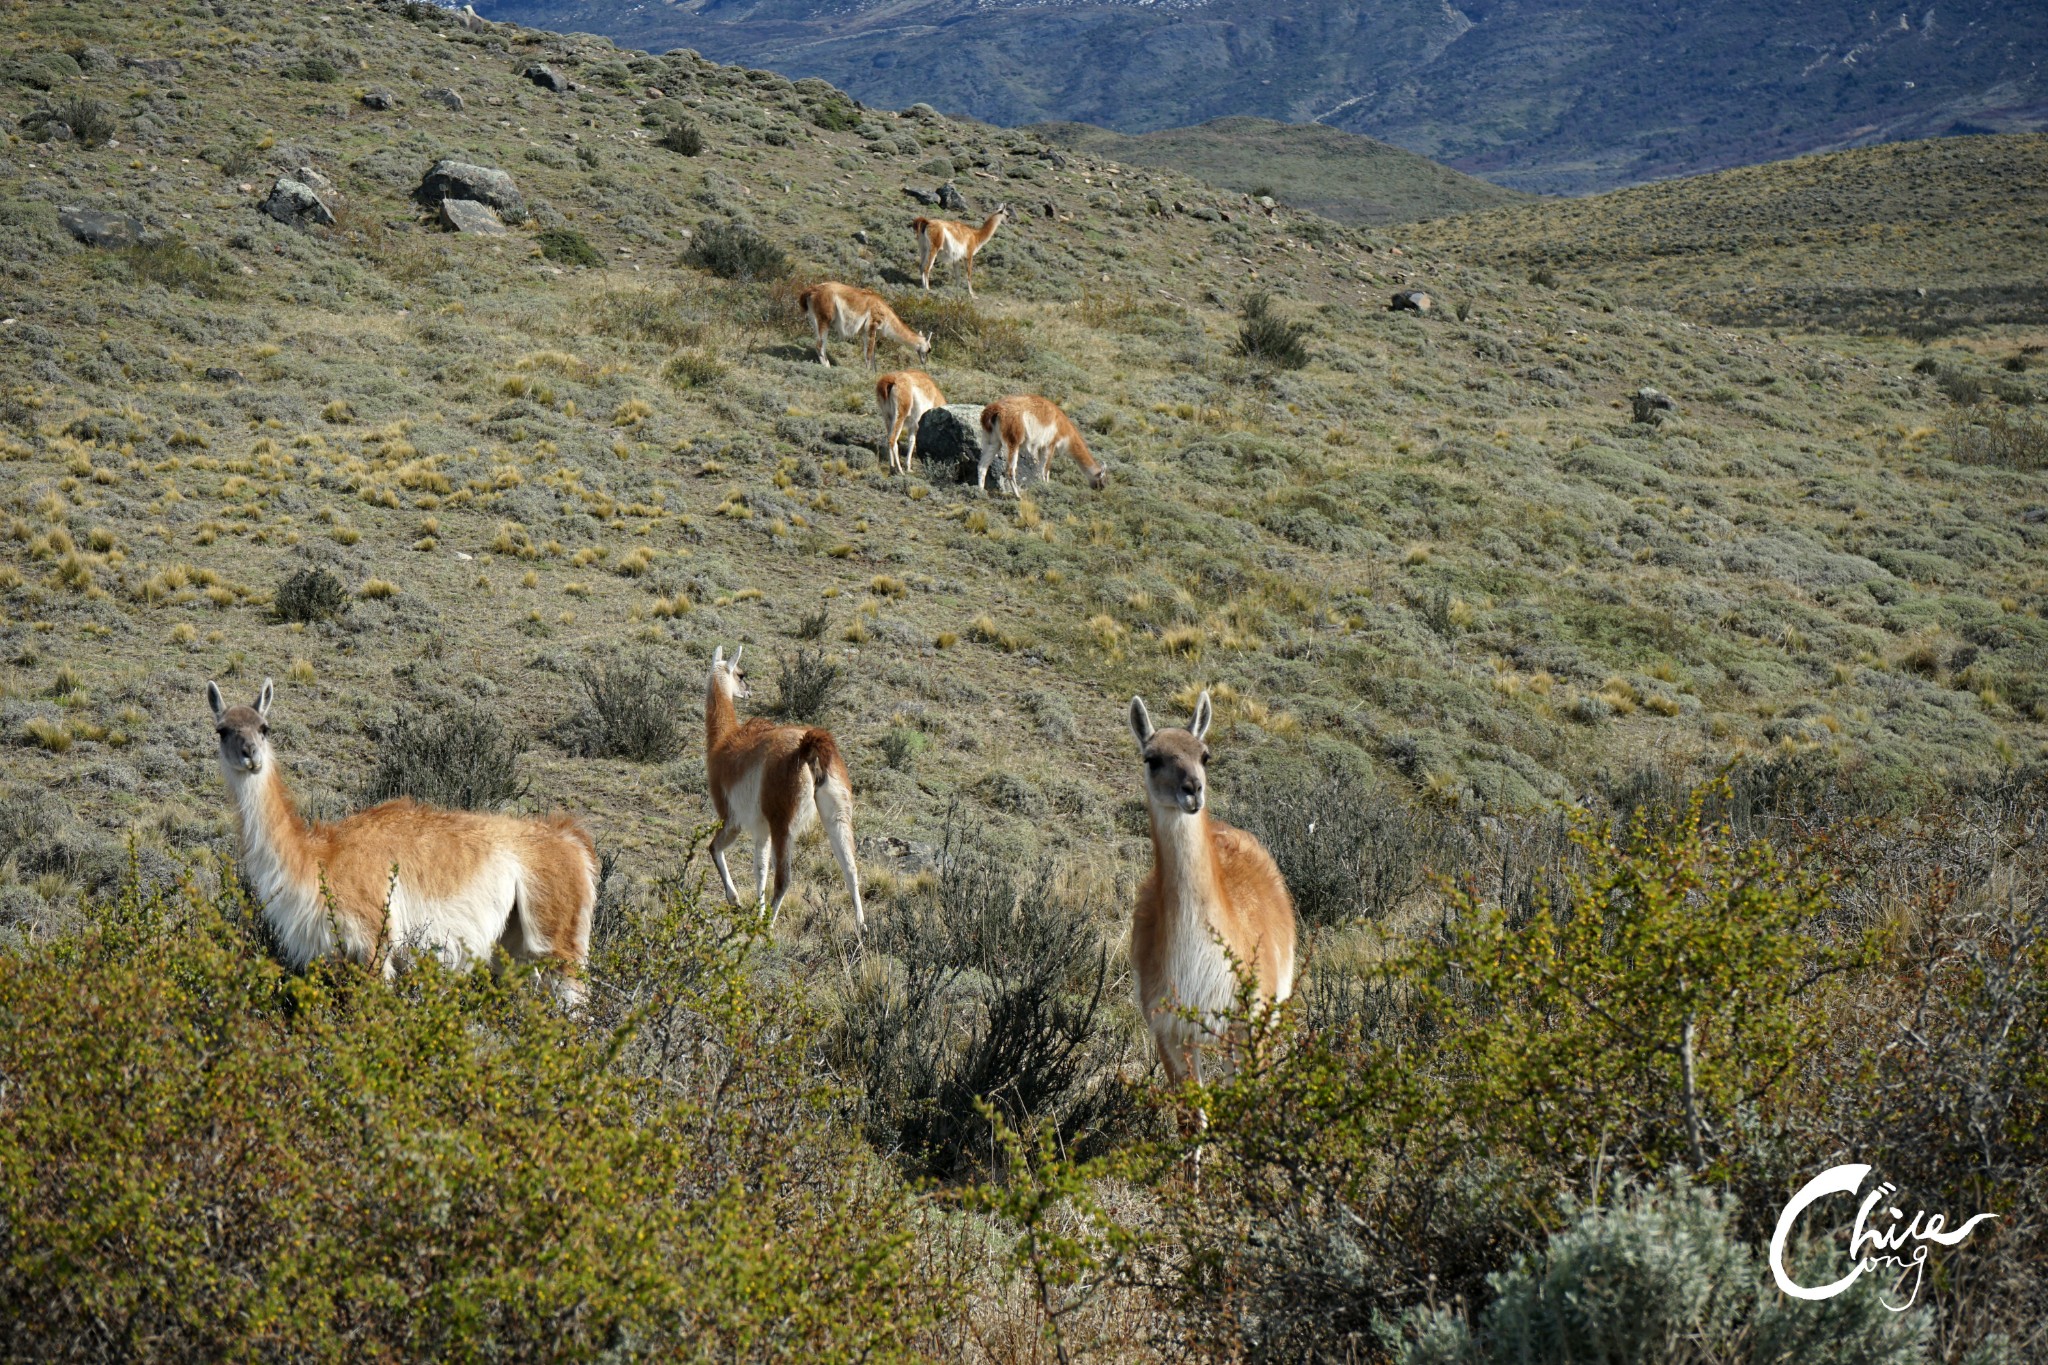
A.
pixel 1924 237
pixel 1341 175
pixel 1539 94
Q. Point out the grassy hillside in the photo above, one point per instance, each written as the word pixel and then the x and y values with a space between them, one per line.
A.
pixel 1440 583
pixel 1925 237
pixel 1338 175
pixel 1441 547
pixel 1553 98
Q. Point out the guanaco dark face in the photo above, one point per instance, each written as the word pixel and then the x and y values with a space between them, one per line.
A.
pixel 730 675
pixel 1176 761
pixel 244 730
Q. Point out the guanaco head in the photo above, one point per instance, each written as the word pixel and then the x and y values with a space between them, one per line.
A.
pixel 244 731
pixel 1176 761
pixel 1098 477
pixel 1001 215
pixel 727 675
pixel 924 345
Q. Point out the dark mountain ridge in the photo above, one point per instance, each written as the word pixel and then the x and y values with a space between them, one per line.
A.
pixel 1535 94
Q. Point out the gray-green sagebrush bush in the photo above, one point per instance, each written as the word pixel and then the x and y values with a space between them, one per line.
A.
pixel 1661 1276
pixel 204 1157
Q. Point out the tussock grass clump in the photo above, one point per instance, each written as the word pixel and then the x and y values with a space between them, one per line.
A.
pixel 633 707
pixel 1266 338
pixel 175 265
pixel 461 757
pixel 687 370
pixel 664 315
pixel 734 251
pixel 989 343
pixel 807 686
pixel 2006 440
pixel 311 594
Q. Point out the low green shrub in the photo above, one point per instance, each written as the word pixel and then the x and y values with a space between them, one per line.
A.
pixel 176 265
pixel 1266 338
pixel 633 707
pixel 734 251
pixel 461 757
pixel 685 139
pixel 203 1157
pixel 314 67
pixel 311 594
pixel 806 686
pixel 1348 849
pixel 567 246
pixel 997 1003
pixel 692 370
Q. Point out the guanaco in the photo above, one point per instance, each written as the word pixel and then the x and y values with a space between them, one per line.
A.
pixel 771 781
pixel 1214 904
pixel 904 398
pixel 1024 423
pixel 857 313
pixel 459 883
pixel 938 237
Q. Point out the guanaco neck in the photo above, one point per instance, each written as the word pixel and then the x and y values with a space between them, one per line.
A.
pixel 1077 445
pixel 721 717
pixel 1186 861
pixel 988 230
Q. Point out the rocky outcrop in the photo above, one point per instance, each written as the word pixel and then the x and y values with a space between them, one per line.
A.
pixel 1411 301
pixel 451 179
pixel 1649 406
pixel 547 78
pixel 297 204
pixel 443 96
pixel 950 438
pixel 98 227
pixel 467 215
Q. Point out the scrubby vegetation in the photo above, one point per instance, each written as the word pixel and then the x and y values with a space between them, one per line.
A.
pixel 484 518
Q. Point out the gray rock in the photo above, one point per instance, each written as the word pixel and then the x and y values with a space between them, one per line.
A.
pixel 314 181
pixel 951 199
pixel 164 68
pixel 923 113
pixel 295 204
pixel 97 59
pixel 443 96
pixel 96 227
pixel 951 436
pixel 467 215
pixel 1411 301
pixel 1648 406
pixel 450 179
pixel 223 374
pixel 545 77
pixel 377 97
pixel 921 196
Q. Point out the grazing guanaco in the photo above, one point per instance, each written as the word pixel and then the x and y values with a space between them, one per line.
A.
pixel 458 883
pixel 857 313
pixel 938 237
pixel 1021 423
pixel 771 781
pixel 904 398
pixel 1214 904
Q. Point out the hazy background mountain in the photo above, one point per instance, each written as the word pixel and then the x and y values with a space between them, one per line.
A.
pixel 1341 175
pixel 1536 94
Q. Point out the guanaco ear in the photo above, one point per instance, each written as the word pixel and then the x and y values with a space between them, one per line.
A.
pixel 736 658
pixel 216 701
pixel 263 700
pixel 718 658
pixel 1199 726
pixel 1141 723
